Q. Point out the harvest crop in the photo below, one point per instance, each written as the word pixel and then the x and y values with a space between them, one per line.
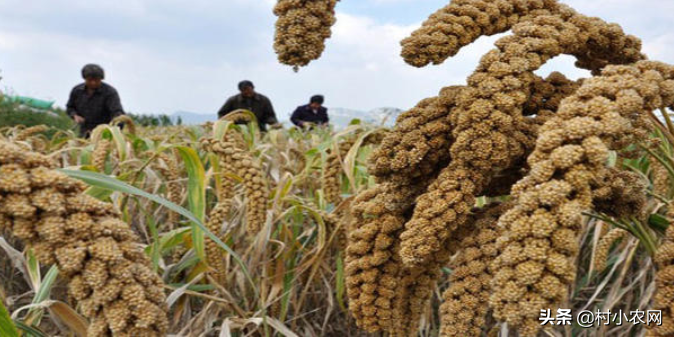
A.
pixel 301 30
pixel 260 195
pixel 547 143
pixel 108 275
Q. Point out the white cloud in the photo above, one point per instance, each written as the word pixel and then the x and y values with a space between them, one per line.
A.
pixel 661 48
pixel 362 39
pixel 168 55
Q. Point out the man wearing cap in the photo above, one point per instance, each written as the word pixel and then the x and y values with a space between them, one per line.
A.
pixel 313 113
pixel 248 99
pixel 93 102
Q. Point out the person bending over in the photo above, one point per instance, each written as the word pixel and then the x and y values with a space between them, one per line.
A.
pixel 248 99
pixel 313 113
pixel 93 102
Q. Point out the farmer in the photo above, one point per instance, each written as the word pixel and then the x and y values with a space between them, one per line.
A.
pixel 93 102
pixel 311 114
pixel 248 99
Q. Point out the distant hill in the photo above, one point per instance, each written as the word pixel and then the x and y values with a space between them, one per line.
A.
pixel 339 117
pixel 386 115
pixel 192 118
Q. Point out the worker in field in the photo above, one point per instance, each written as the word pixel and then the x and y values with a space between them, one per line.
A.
pixel 311 114
pixel 257 103
pixel 93 102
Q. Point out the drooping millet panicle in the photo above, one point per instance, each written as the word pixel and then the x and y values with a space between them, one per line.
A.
pixel 295 161
pixel 489 130
pixel 238 116
pixel 419 142
pixel 333 169
pixel 547 94
pixel 28 132
pixel 129 124
pixel 301 30
pixel 100 153
pixel 216 217
pixel 237 159
pixel 372 269
pixel 491 136
pixel 462 22
pixel 664 281
pixel 171 175
pixel 375 277
pixel 660 178
pixel 604 246
pixel 568 166
pixel 621 194
pixel 109 276
pixel 383 294
pixel 414 291
pixel 225 193
pixel 227 189
pixel 416 283
pixel 214 254
pixel 466 301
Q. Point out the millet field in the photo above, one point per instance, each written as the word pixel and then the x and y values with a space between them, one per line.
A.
pixel 480 210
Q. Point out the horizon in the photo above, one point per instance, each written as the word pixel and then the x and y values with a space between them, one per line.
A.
pixel 343 117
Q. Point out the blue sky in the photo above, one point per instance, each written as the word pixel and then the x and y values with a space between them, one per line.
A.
pixel 168 55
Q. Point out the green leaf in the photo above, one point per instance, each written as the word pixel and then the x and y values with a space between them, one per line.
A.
pixel 45 287
pixel 120 142
pixel 171 239
pixel 155 251
pixel 104 181
pixel 29 330
pixel 196 194
pixel 7 327
pixel 312 152
pixel 99 193
pixel 350 157
pixel 194 287
pixel 42 292
pixel 339 282
pixel 658 221
pixel 33 267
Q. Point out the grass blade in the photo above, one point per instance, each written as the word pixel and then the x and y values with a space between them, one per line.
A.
pixel 28 330
pixel 42 292
pixel 33 267
pixel 7 327
pixel 196 194
pixel 46 285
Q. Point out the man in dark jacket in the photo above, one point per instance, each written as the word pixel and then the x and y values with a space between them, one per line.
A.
pixel 311 114
pixel 248 99
pixel 93 102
